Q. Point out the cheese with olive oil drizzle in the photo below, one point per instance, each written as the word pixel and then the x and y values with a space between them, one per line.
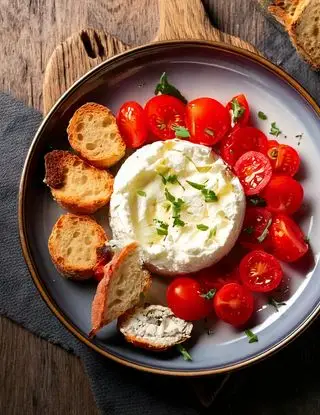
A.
pixel 181 202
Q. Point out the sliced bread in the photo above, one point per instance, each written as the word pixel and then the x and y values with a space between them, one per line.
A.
pixel 154 327
pixel 121 287
pixel 94 134
pixel 284 10
pixel 304 31
pixel 75 185
pixel 74 244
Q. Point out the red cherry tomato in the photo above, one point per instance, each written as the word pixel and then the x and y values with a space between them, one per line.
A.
pixel 240 103
pixel 260 271
pixel 241 141
pixel 132 124
pixel 207 120
pixel 283 158
pixel 254 172
pixel 283 194
pixel 288 241
pixel 216 277
pixel 163 113
pixel 255 233
pixel 185 298
pixel 233 303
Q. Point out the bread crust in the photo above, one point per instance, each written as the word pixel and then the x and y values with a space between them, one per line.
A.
pixel 99 316
pixel 74 271
pixel 108 155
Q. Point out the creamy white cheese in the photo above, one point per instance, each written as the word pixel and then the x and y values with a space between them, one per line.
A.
pixel 151 189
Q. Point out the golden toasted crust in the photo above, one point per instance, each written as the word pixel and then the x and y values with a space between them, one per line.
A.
pixel 75 185
pixel 94 134
pixel 99 311
pixel 284 10
pixel 73 245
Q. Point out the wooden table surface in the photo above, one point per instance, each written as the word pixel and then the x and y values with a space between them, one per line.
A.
pixel 37 377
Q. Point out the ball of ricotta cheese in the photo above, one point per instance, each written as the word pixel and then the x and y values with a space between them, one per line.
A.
pixel 181 202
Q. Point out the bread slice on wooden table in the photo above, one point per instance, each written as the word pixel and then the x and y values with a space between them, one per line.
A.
pixel 121 287
pixel 74 184
pixel 73 245
pixel 154 327
pixel 94 134
pixel 284 10
pixel 304 31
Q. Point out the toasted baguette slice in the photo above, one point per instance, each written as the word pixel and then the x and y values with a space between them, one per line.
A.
pixel 120 289
pixel 73 245
pixel 154 327
pixel 304 31
pixel 284 10
pixel 94 134
pixel 76 185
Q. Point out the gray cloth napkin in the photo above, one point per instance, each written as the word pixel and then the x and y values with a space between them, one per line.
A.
pixel 285 384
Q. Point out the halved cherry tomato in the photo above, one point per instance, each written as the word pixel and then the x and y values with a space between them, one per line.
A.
pixel 132 124
pixel 242 112
pixel 288 241
pixel 241 141
pixel 254 234
pixel 207 120
pixel 284 159
pixel 233 303
pixel 260 271
pixel 163 113
pixel 254 172
pixel 185 297
pixel 283 194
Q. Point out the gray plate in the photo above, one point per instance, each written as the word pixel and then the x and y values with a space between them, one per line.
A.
pixel 197 69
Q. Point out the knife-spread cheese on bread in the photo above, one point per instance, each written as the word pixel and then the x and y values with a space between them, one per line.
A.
pixel 154 327
pixel 94 134
pixel 120 289
pixel 75 185
pixel 74 244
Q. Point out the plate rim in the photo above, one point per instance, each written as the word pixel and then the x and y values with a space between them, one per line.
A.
pixel 49 301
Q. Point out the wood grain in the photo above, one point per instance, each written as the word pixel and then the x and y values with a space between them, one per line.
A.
pixel 84 50
pixel 35 376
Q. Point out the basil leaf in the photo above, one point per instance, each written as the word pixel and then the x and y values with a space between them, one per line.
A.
pixel 141 193
pixel 197 186
pixel 209 295
pixel 253 338
pixel 257 201
pixel 237 110
pixel 212 233
pixel 262 115
pixel 202 227
pixel 184 352
pixel 181 132
pixel 164 87
pixel 209 195
pixel 178 222
pixel 274 129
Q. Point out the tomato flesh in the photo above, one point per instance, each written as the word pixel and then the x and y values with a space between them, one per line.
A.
pixel 288 241
pixel 132 124
pixel 243 119
pixel 233 303
pixel 207 121
pixel 164 113
pixel 184 297
pixel 283 158
pixel 255 233
pixel 240 141
pixel 260 271
pixel 283 194
pixel 254 172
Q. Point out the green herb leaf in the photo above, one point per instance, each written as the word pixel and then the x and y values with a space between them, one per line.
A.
pixel 197 186
pixel 257 201
pixel 274 129
pixel 181 132
pixel 209 295
pixel 251 336
pixel 162 224
pixel 169 196
pixel 262 115
pixel 164 87
pixel 265 232
pixel 184 352
pixel 276 304
pixel 202 227
pixel 209 195
pixel 249 230
pixel 162 232
pixel 213 232
pixel 178 222
pixel 209 131
pixel 237 110
pixel 141 193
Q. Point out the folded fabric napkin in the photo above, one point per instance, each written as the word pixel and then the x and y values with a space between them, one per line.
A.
pixel 285 384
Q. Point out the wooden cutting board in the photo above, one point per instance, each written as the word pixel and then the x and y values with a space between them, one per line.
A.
pixel 179 19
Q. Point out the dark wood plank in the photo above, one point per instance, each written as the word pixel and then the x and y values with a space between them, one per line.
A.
pixel 36 377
